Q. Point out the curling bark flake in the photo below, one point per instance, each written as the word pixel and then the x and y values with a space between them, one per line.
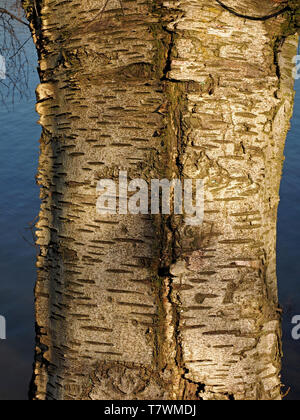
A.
pixel 145 307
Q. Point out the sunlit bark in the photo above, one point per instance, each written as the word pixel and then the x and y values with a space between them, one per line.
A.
pixel 145 307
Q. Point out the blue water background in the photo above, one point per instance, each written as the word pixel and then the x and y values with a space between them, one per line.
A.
pixel 19 205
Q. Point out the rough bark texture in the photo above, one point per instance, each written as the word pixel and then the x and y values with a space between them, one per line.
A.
pixel 140 307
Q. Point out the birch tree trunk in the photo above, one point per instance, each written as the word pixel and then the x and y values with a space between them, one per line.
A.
pixel 145 307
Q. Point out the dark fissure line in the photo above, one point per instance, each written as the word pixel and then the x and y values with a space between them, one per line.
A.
pixel 256 18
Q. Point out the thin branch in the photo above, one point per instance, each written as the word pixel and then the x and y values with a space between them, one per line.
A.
pixel 256 18
pixel 2 83
pixel 286 393
pixel 21 47
pixel 6 12
pixel 31 227
pixel 13 50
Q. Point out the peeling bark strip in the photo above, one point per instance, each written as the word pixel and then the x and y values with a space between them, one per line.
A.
pixel 134 307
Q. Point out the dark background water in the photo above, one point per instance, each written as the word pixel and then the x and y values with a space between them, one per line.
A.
pixel 19 205
pixel 288 255
pixel 19 135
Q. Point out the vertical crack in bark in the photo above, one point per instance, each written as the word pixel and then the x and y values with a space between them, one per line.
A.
pixel 169 346
pixel 176 91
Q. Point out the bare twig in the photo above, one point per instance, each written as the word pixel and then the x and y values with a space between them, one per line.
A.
pixel 286 393
pixel 257 18
pixel 31 228
pixel 21 47
pixel 12 49
pixel 12 16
